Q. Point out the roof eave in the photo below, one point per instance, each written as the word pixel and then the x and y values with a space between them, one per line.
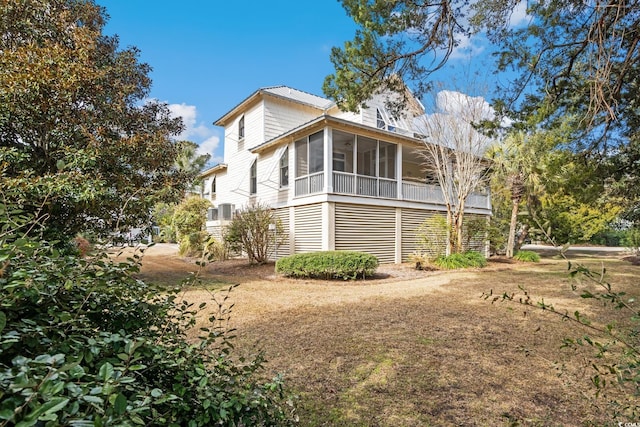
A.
pixel 217 168
pixel 327 120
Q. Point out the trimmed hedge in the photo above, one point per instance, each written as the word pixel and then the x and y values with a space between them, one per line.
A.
pixel 328 265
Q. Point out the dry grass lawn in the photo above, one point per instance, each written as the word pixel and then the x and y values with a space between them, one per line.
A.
pixel 411 348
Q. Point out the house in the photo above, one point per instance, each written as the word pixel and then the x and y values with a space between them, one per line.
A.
pixel 337 180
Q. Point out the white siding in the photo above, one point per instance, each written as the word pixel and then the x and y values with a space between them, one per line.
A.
pixel 284 248
pixel 281 116
pixel 308 228
pixel 366 229
pixel 411 221
pixel 369 117
pixel 253 131
pixel 233 187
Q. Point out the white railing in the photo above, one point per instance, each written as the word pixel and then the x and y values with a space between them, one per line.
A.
pixel 422 192
pixel 476 200
pixel 309 184
pixel 366 185
pixel 388 188
pixel 348 183
pixel 343 183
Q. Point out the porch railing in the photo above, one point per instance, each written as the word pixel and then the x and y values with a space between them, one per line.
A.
pixel 309 184
pixel 353 184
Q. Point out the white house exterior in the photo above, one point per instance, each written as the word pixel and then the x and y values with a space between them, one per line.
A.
pixel 337 180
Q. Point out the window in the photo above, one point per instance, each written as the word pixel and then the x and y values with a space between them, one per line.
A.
pixel 284 168
pixel 241 128
pixel 338 161
pixel 253 178
pixel 316 152
pixel 367 156
pixel 213 186
pixel 387 160
pixel 310 154
pixel 343 144
pixel 380 120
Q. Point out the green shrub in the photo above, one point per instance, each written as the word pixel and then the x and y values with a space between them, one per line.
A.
pixel 527 256
pixel 83 342
pixel 256 231
pixel 328 265
pixel 467 259
pixel 189 220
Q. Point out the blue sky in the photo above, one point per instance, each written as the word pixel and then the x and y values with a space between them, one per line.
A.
pixel 208 55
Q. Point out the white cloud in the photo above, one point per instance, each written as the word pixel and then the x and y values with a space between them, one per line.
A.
pixel 188 114
pixel 206 137
pixel 451 123
pixel 463 105
pixel 468 47
pixel 209 146
pixel 519 15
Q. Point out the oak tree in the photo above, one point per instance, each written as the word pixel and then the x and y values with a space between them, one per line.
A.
pixel 79 141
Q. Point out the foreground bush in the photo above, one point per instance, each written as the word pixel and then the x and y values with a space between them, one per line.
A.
pixel 467 259
pixel 328 265
pixel 83 342
pixel 527 256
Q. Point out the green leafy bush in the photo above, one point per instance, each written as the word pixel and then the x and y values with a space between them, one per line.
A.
pixel 83 342
pixel 189 220
pixel 527 256
pixel 328 265
pixel 467 259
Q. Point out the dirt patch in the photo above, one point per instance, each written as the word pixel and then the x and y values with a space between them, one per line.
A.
pixel 634 260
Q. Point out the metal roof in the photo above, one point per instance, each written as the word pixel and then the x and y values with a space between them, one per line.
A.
pixel 328 119
pixel 282 92
pixel 299 96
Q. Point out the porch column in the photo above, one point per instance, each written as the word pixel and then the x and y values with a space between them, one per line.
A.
pixel 399 171
pixel 292 230
pixel 399 242
pixel 328 160
pixel 328 226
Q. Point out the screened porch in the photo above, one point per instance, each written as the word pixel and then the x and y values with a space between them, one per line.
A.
pixel 367 167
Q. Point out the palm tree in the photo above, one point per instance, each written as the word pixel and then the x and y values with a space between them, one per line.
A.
pixel 189 162
pixel 516 161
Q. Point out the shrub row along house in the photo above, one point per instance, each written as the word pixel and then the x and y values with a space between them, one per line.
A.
pixel 337 180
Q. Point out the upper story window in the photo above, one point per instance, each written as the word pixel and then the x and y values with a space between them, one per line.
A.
pixel 213 187
pixel 284 168
pixel 380 122
pixel 253 178
pixel 241 128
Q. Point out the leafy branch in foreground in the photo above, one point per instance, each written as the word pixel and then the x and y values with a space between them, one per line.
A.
pixel 84 342
pixel 616 360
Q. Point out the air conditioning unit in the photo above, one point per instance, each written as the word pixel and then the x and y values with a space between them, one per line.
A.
pixel 212 214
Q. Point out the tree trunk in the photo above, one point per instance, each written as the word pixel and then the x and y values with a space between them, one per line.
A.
pixel 449 248
pixel 515 204
pixel 460 231
pixel 523 236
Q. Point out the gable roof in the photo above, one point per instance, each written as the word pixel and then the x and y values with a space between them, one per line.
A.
pixel 282 92
pixel 299 96
pixel 337 122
